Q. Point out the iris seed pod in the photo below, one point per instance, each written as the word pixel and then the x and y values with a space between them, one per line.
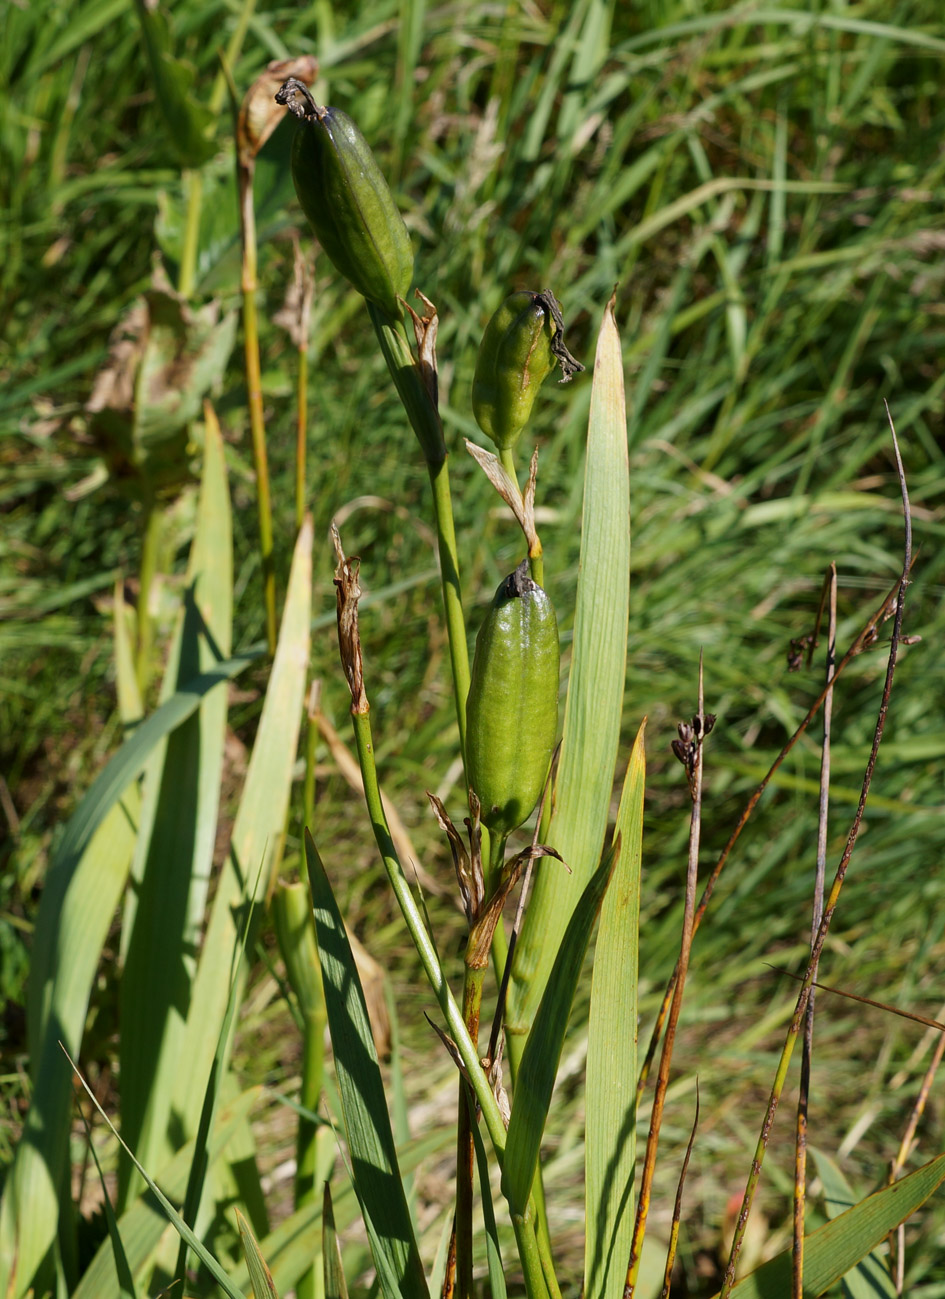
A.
pixel 515 357
pixel 512 706
pixel 347 200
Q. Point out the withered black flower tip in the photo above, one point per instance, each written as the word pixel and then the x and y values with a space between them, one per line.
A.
pixel 296 97
pixel 570 365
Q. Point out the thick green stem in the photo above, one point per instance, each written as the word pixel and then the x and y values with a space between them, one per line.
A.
pixel 456 1027
pixel 301 436
pixel 536 1286
pixel 536 563
pixel 313 1054
pixel 465 1147
pixel 295 932
pixel 193 187
pixel 507 461
pixel 425 421
pixel 421 939
pixel 452 595
pixel 149 552
pixel 308 787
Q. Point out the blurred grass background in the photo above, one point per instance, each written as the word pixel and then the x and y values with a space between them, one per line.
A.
pixel 765 186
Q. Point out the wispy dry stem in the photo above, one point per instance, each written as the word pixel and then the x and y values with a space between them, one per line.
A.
pixel 831 904
pixel 866 637
pixel 688 748
pixel 829 598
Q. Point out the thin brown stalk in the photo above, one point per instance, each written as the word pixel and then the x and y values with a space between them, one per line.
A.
pixel 829 596
pixel 866 637
pixel 905 1149
pixel 257 422
pixel 689 750
pixel 831 904
pixel 677 1207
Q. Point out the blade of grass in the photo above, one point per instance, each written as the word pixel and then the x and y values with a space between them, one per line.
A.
pixel 493 1252
pixel 143 1224
pixel 828 598
pixel 256 834
pixel 174 859
pixel 206 1258
pixel 260 1278
pixel 837 1247
pixel 367 1122
pixel 542 1052
pixel 870 1279
pixel 126 1283
pixel 595 692
pixel 610 1135
pixel 334 1280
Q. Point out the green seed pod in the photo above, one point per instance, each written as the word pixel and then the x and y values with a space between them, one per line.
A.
pixel 512 707
pixel 347 200
pixel 515 357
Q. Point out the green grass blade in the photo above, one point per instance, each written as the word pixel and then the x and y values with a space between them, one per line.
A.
pixel 176 861
pixel 542 1052
pixel 74 919
pixel 870 1279
pixel 288 1247
pixel 595 689
pixel 189 123
pixel 143 1224
pixel 206 1258
pixel 375 1170
pixel 257 829
pixel 589 56
pixel 837 1247
pixel 335 1285
pixel 126 1282
pixel 82 893
pixel 493 1252
pixel 259 1275
pixel 610 1146
pixel 200 1164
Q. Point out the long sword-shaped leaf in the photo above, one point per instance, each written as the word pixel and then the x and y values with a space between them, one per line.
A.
pixel 183 793
pixel 374 1166
pixel 288 1247
pixel 837 1247
pixel 256 832
pixel 595 689
pixel 143 1224
pixel 493 1251
pixel 82 892
pixel 206 1258
pixel 542 1052
pixel 871 1278
pixel 612 1054
pixel 259 1275
pixel 335 1286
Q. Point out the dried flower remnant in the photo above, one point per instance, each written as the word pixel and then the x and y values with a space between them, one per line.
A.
pixel 349 638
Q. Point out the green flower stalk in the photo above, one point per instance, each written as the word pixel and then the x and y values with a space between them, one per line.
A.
pixel 347 200
pixel 519 349
pixel 512 709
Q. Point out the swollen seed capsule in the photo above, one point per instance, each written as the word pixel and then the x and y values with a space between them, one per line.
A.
pixel 512 706
pixel 515 357
pixel 347 200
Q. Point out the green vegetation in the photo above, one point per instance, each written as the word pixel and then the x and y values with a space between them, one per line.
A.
pixel 763 186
